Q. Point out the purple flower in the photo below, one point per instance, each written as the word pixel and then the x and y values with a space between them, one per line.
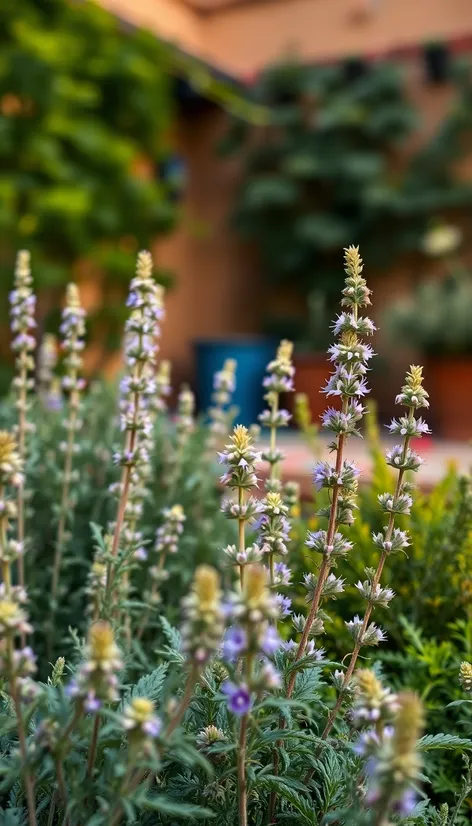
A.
pixel 283 574
pixel 406 803
pixel 234 643
pixel 322 475
pixel 283 605
pixel 239 697
pixel 271 641
pixel 92 703
pixel 152 727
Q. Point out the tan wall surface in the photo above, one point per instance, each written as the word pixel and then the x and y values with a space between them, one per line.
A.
pixel 243 38
pixel 218 289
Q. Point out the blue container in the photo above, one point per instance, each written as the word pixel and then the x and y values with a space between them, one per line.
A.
pixel 252 356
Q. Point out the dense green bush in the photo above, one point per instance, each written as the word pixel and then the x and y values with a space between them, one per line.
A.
pixel 325 169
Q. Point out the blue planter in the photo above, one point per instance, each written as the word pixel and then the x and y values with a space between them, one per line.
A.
pixel 252 356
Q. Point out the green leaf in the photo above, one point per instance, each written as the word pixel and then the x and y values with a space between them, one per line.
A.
pixel 443 741
pixel 159 803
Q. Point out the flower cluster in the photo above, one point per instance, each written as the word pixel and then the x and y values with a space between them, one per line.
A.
pixel 390 539
pixel 47 361
pixel 254 638
pixel 373 704
pixel 97 682
pixel 138 386
pixel 22 310
pixel 224 385
pixel 393 764
pixel 163 386
pixel 465 676
pixel 167 542
pixel 204 619
pixel 11 475
pixel 350 357
pixel 184 423
pixel 279 379
pixel 141 722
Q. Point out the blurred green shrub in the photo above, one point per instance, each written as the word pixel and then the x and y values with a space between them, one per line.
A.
pixel 324 172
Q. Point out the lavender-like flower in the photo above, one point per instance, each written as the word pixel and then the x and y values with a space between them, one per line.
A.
pixel 22 309
pixel 73 331
pixel 350 357
pixel 392 760
pixel 138 386
pixel 16 666
pixel 142 726
pixel 220 414
pixel 96 682
pixel 167 541
pixel 47 361
pixel 250 641
pixel 279 380
pixel 391 539
pixel 240 459
pixel 203 626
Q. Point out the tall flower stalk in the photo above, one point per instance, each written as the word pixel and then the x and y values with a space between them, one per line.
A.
pixel 219 414
pixel 247 645
pixel 73 331
pixel 184 427
pixel 138 385
pixel 391 539
pixel 350 357
pixel 279 380
pixel 22 308
pixel 201 631
pixel 16 665
pixel 240 459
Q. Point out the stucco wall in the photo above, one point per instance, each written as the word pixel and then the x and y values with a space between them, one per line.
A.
pixel 244 37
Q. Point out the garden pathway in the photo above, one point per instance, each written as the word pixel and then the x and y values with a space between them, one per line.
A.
pixel 438 455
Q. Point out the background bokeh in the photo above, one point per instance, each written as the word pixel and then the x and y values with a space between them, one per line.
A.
pixel 246 144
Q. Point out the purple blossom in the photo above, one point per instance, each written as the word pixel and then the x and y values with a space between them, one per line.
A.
pixel 239 697
pixel 283 605
pixel 234 644
pixel 92 703
pixel 322 475
pixel 152 727
pixel 271 640
pixel 283 573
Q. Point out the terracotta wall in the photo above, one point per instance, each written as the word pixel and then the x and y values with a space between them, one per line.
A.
pixel 218 289
pixel 243 37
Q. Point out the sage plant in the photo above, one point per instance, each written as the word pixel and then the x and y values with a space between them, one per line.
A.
pixel 47 362
pixel 201 632
pixel 22 309
pixel 219 413
pixel 73 331
pixel 279 379
pixel 391 539
pixel 16 664
pixel 350 356
pixel 252 640
pixel 240 458
pixel 137 386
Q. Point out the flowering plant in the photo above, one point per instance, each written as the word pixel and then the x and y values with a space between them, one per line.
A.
pixel 147 711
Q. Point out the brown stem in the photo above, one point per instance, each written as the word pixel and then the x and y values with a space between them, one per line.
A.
pixel 184 703
pixel 20 497
pixel 241 765
pixel 93 746
pixel 61 782
pixel 324 568
pixel 56 571
pixel 241 536
pixel 29 784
